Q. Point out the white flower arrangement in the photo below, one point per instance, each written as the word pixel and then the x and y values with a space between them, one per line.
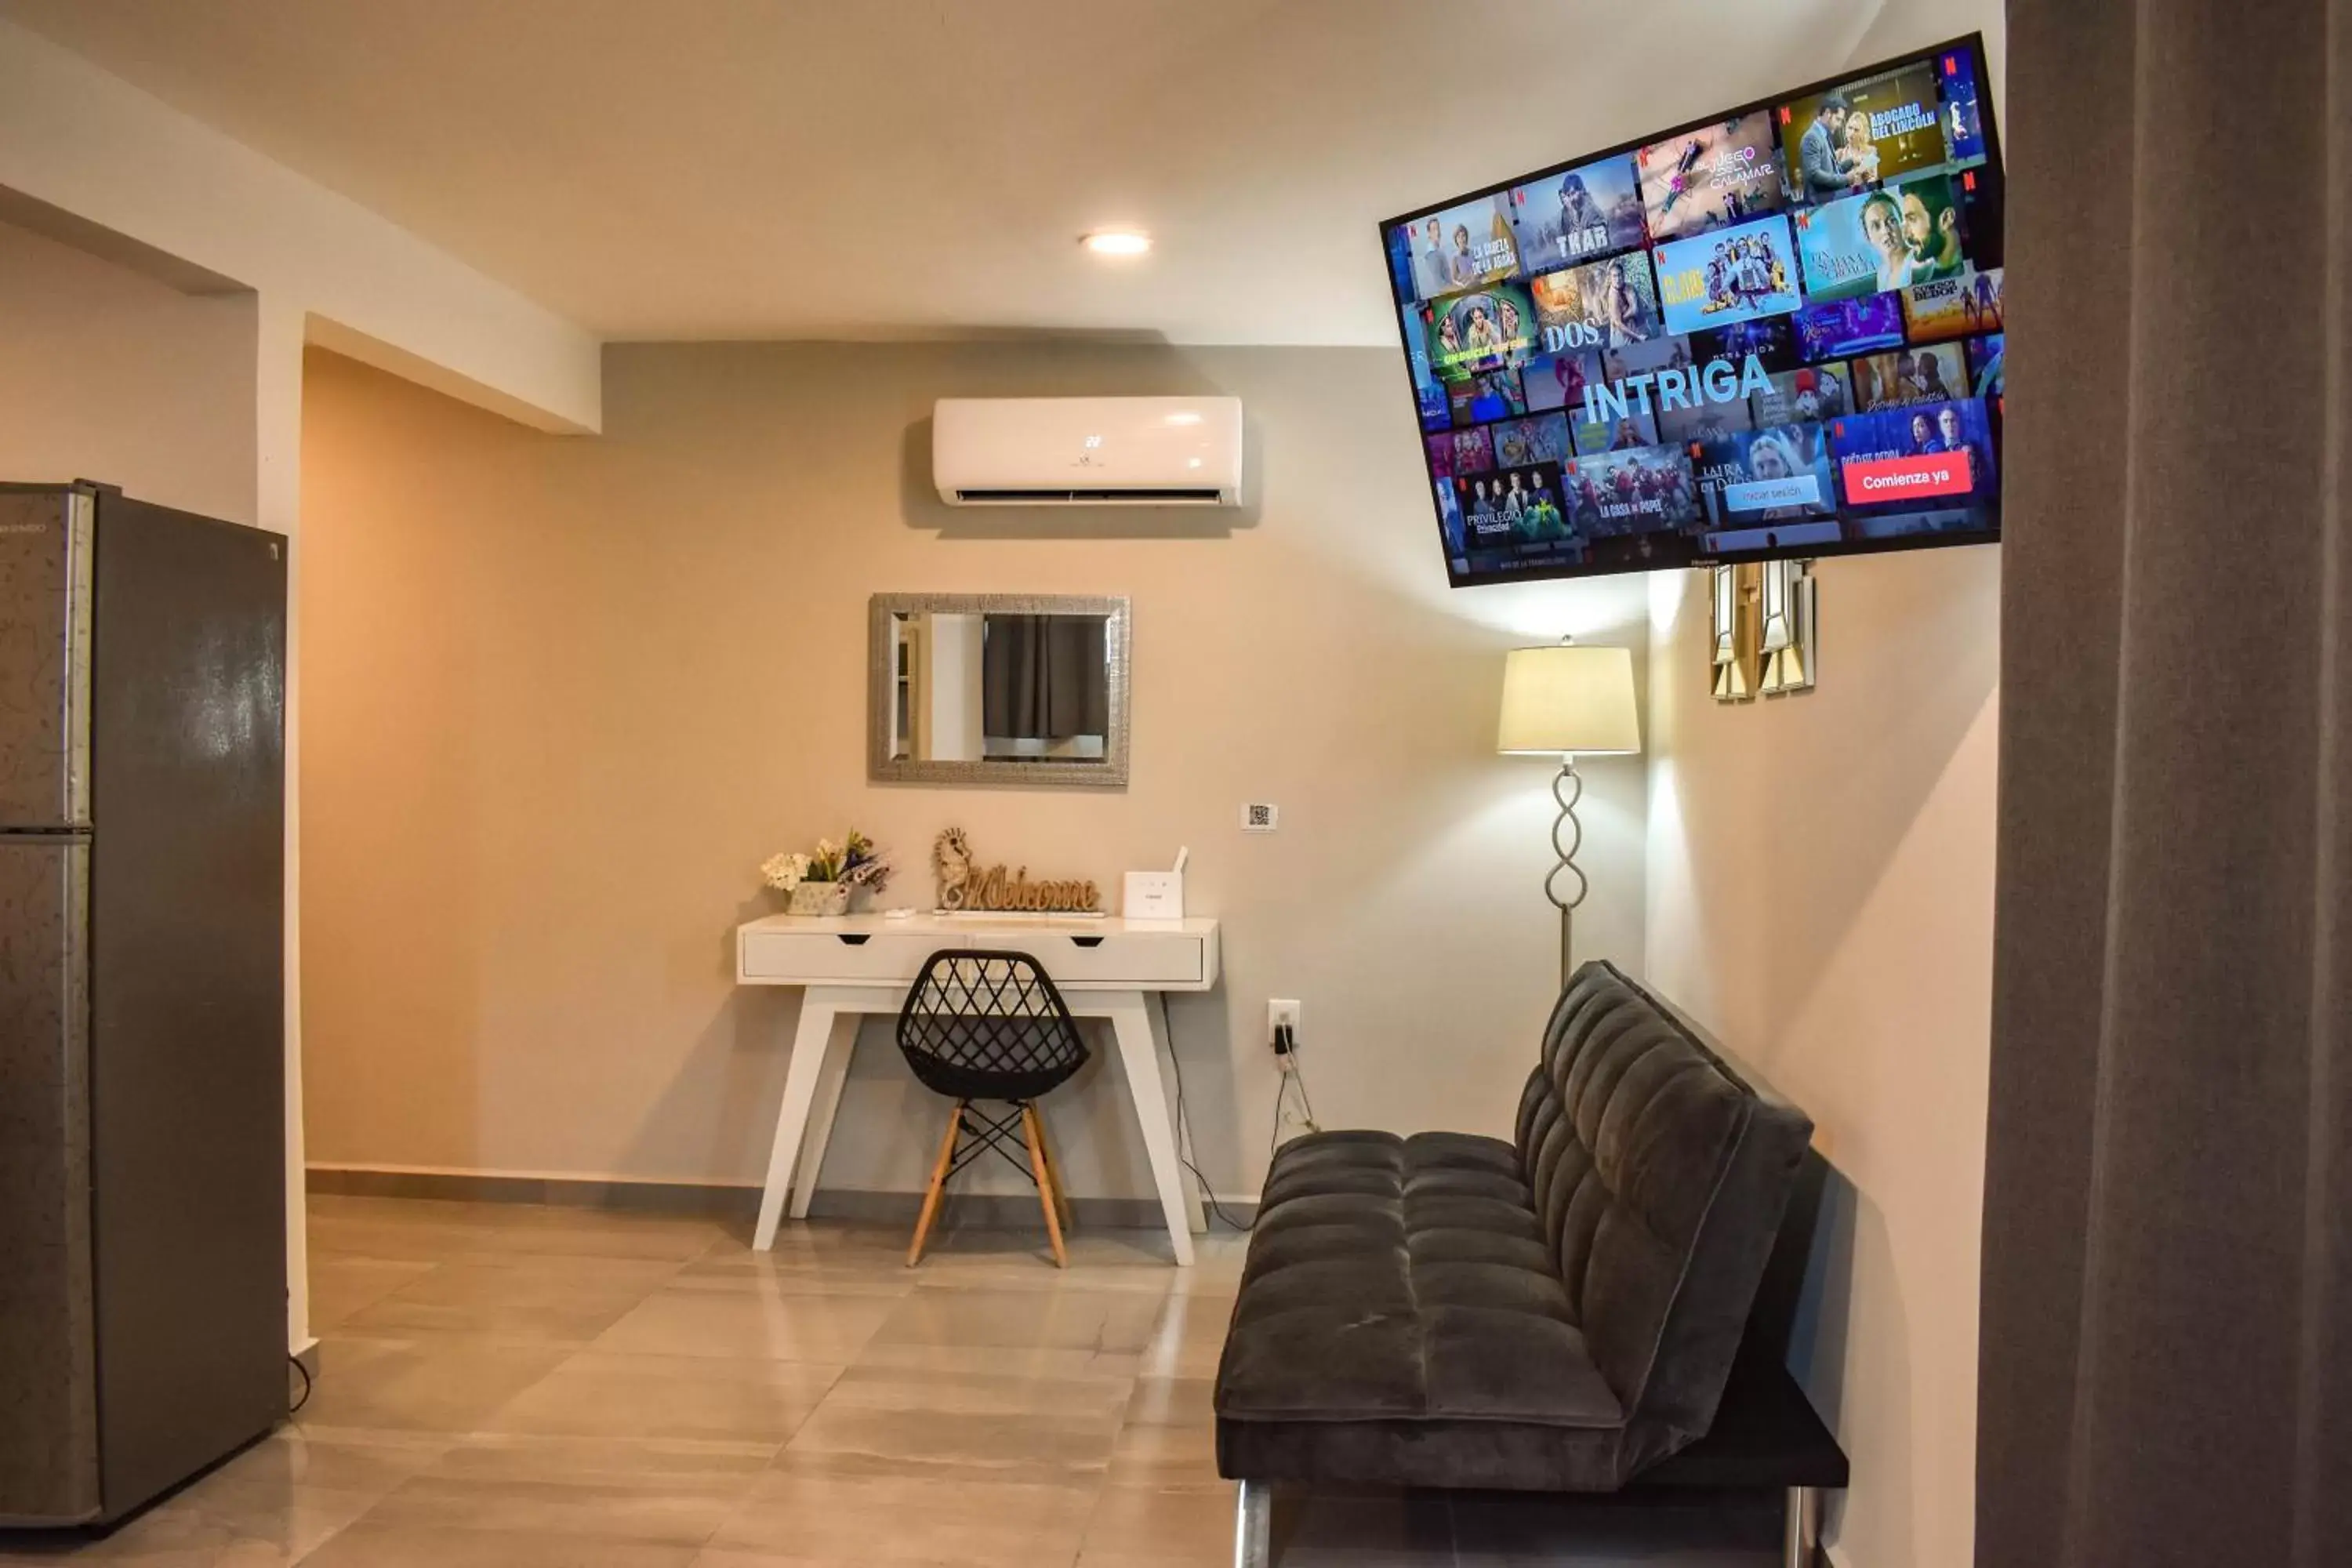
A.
pixel 784 872
pixel 856 861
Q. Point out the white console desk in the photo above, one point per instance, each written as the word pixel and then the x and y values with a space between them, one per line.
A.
pixel 855 964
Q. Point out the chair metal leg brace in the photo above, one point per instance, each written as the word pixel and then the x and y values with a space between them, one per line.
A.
pixel 1253 1525
pixel 993 1133
pixel 1802 1544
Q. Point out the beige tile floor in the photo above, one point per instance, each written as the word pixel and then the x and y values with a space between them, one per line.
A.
pixel 505 1387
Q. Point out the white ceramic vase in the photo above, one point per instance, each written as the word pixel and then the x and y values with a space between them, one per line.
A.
pixel 820 898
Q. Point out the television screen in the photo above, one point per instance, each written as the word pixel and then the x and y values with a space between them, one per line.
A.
pixel 1775 332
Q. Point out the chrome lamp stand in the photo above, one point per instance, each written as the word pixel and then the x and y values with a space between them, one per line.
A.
pixel 1567 788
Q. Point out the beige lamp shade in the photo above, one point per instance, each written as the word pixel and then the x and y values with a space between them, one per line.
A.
pixel 1569 698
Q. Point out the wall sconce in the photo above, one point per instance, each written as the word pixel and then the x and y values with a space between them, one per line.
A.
pixel 1763 616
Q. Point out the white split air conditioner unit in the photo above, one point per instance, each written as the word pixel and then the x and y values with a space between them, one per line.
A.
pixel 1087 451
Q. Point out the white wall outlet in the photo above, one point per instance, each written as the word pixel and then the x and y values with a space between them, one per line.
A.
pixel 1281 1010
pixel 1260 817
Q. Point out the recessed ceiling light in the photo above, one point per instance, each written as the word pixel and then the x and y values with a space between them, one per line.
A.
pixel 1118 242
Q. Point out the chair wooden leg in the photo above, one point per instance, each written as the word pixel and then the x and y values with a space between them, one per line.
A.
pixel 939 1181
pixel 1053 1169
pixel 1031 1128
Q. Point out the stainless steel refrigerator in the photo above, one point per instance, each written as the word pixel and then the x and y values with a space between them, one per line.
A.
pixel 143 1176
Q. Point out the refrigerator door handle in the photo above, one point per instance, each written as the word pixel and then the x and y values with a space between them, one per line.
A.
pixel 48 1366
pixel 47 554
pixel 81 514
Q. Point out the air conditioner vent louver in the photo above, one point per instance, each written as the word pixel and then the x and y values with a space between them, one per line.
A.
pixel 1087 451
pixel 1084 497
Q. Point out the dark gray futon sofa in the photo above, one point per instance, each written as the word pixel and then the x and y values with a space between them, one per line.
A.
pixel 1560 1312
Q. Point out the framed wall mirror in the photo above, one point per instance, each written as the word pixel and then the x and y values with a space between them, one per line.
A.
pixel 997 688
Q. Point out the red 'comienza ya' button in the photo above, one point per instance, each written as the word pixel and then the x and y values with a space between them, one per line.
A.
pixel 1899 479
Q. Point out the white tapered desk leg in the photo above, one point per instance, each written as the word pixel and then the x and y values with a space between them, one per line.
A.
pixel 809 1043
pixel 839 1046
pixel 1196 1206
pixel 1130 1024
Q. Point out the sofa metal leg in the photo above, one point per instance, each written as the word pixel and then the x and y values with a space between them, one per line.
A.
pixel 1253 1525
pixel 1802 1545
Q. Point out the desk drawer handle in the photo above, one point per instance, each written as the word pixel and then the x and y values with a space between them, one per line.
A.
pixel 1087 940
pixel 858 941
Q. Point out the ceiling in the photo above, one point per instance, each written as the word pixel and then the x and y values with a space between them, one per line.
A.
pixel 779 169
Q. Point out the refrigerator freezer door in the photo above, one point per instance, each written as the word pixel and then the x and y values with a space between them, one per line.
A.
pixel 45 623
pixel 48 1446
pixel 187 1014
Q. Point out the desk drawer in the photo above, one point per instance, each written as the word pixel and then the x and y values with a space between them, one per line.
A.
pixel 1130 959
pixel 825 958
pixel 1142 960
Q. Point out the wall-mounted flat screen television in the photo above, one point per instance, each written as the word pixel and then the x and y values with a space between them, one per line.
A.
pixel 1775 332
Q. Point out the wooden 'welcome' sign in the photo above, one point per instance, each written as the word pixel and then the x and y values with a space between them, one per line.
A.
pixel 966 888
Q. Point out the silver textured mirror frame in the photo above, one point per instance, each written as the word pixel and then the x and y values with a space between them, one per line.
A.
pixel 881 677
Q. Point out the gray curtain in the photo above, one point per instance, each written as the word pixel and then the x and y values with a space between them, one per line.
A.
pixel 2167 1335
pixel 1042 677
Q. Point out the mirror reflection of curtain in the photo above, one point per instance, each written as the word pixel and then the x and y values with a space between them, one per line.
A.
pixel 1043 676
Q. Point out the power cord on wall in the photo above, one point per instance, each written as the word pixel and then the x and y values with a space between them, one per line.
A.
pixel 296 1362
pixel 1183 1128
pixel 1301 1116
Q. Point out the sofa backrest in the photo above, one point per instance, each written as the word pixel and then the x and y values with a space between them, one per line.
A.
pixel 1661 1172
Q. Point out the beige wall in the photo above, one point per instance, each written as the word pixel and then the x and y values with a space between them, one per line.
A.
pixel 107 375
pixel 1821 897
pixel 561 697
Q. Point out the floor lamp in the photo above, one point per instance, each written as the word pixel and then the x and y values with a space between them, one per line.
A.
pixel 1566 700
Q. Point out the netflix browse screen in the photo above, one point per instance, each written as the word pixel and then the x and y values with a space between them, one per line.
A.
pixel 1774 332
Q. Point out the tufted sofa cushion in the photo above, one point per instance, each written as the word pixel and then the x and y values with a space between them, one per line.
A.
pixel 1549 1313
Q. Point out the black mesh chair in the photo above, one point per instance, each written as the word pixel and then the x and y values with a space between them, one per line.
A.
pixel 991 1026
